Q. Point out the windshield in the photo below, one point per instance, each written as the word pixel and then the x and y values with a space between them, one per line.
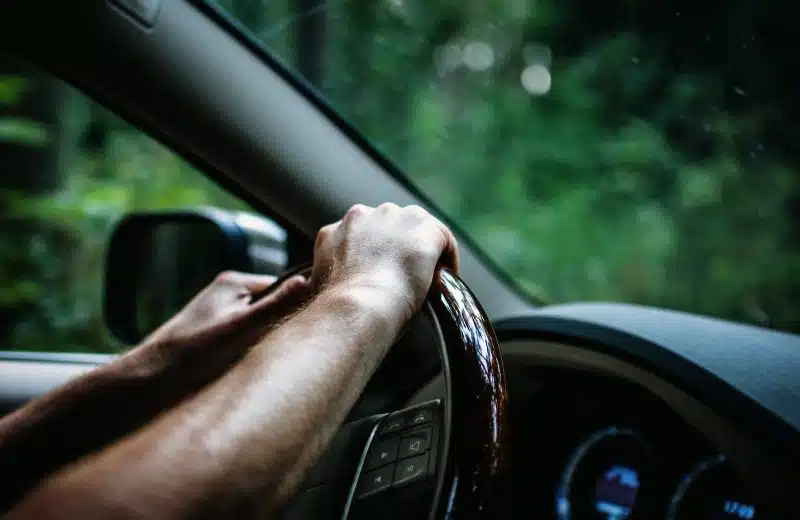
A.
pixel 624 151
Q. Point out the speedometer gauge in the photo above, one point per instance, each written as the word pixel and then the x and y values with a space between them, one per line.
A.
pixel 712 491
pixel 607 477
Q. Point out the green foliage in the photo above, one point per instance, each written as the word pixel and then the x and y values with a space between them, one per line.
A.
pixel 11 89
pixel 22 132
pixel 624 182
pixel 16 130
pixel 53 245
pixel 591 161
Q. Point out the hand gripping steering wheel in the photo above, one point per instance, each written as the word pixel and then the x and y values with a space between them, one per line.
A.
pixel 472 448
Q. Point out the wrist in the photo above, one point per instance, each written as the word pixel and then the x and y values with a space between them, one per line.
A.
pixel 376 297
pixel 357 305
pixel 146 360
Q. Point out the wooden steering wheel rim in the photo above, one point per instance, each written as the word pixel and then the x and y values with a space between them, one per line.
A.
pixel 476 404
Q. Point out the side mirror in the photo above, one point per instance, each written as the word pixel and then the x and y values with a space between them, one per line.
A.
pixel 156 262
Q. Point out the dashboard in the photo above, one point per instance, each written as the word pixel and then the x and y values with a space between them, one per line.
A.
pixel 589 447
pixel 620 412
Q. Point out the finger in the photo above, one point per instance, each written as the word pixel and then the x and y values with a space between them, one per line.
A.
pixel 256 282
pixel 327 238
pixel 288 288
pixel 256 319
pixel 252 282
pixel 450 256
pixel 288 297
pixel 325 234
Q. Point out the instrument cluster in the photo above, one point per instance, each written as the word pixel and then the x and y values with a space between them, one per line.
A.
pixel 613 475
pixel 592 448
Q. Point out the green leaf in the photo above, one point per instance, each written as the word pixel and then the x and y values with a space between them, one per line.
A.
pixel 22 131
pixel 20 293
pixel 11 89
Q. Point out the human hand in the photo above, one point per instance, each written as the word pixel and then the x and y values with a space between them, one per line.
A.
pixel 222 321
pixel 191 350
pixel 228 301
pixel 391 249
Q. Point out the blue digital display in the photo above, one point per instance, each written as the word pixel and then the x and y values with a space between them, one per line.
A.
pixel 737 510
pixel 615 493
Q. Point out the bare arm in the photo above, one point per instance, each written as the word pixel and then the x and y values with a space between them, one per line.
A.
pixel 242 445
pixel 111 401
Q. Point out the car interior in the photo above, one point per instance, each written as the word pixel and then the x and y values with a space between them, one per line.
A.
pixel 491 406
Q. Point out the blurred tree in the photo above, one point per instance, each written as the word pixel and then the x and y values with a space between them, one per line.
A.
pixel 31 150
pixel 310 39
pixel 627 151
pixel 30 108
pixel 53 236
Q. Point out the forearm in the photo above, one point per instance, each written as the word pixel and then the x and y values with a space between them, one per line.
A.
pixel 87 414
pixel 245 441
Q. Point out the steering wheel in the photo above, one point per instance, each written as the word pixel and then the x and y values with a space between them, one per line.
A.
pixel 469 450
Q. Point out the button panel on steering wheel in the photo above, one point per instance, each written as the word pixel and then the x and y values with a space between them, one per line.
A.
pixel 403 453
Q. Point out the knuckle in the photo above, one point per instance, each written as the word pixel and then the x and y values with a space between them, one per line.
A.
pixel 323 234
pixel 417 210
pixel 357 209
pixel 434 247
pixel 226 277
pixel 388 206
pixel 426 246
pixel 325 231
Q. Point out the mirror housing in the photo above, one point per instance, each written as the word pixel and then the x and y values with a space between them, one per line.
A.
pixel 157 261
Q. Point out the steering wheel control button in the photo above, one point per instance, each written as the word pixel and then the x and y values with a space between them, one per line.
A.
pixel 375 481
pixel 415 444
pixel 419 417
pixel 392 424
pixel 383 453
pixel 411 469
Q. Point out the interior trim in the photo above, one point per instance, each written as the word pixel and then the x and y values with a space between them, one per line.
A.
pixel 24 376
pixel 57 357
pixel 23 381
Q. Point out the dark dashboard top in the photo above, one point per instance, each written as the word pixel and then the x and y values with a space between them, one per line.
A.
pixel 748 372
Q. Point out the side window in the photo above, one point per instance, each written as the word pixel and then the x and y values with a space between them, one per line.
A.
pixel 68 171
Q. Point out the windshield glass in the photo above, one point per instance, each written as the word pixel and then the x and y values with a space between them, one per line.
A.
pixel 624 151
